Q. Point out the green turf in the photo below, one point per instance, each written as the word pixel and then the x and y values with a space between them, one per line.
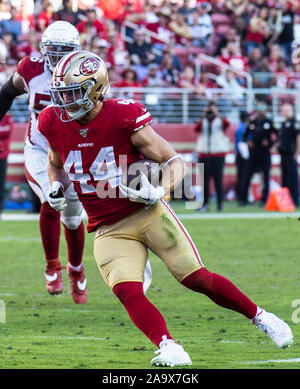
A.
pixel 51 332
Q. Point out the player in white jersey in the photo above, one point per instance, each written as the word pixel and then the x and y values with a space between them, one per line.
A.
pixel 33 76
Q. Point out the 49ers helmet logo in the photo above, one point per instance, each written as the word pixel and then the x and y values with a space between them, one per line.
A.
pixel 89 66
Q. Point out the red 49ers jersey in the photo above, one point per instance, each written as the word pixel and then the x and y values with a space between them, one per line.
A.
pixel 93 154
pixel 37 78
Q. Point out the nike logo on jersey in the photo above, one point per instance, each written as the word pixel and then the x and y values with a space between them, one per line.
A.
pixel 144 109
pixel 81 285
pixel 83 132
pixel 51 278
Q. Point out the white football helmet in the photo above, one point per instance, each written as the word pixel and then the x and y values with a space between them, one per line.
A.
pixel 58 40
pixel 79 82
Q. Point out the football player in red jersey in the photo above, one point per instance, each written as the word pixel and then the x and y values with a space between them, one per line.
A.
pixel 33 76
pixel 128 222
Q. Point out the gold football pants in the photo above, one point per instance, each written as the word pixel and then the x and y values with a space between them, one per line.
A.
pixel 120 249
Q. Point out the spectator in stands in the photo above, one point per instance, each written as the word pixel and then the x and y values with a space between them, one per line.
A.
pixel 286 37
pixel 6 128
pixel 44 18
pixel 282 73
pixel 237 7
pixel 88 34
pixel 186 8
pixel 275 55
pixel 170 50
pixel 187 79
pixel 232 56
pixel 161 29
pixel 129 79
pixel 233 91
pixel 289 149
pixel 91 19
pixel 294 79
pixel 230 36
pixel 8 40
pixel 153 78
pixel 11 26
pixel 275 22
pixel 181 30
pixel 28 45
pixel 3 54
pixel 140 50
pixel 201 26
pixel 255 34
pixel 117 52
pixel 212 146
pixel 66 13
pixel 262 74
pixel 254 58
pixel 206 83
pixel 99 46
pixel 170 75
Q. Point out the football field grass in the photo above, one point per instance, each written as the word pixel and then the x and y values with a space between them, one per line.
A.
pixel 261 256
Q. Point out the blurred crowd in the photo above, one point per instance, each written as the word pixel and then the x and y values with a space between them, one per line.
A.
pixel 158 42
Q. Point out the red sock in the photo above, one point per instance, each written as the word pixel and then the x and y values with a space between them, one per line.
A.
pixel 50 232
pixel 75 243
pixel 142 313
pixel 220 290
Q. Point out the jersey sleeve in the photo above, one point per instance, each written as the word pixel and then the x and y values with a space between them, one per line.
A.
pixel 30 67
pixel 136 115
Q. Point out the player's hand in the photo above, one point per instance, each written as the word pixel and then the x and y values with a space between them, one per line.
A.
pixel 147 194
pixel 56 197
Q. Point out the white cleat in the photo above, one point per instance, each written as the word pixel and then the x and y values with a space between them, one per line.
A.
pixel 170 354
pixel 274 327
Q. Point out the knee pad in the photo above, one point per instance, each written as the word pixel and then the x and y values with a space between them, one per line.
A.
pixel 71 222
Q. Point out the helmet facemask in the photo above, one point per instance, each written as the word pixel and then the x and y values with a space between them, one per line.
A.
pixel 78 95
pixel 53 52
pixel 59 39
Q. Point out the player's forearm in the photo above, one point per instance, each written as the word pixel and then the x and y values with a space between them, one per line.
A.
pixel 58 174
pixel 173 173
pixel 8 93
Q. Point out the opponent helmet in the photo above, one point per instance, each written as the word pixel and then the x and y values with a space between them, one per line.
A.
pixel 79 81
pixel 58 40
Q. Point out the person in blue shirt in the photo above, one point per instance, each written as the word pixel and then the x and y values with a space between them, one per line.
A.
pixel 11 26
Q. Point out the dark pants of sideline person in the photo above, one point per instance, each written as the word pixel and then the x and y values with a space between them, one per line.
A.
pixel 241 166
pixel 259 161
pixel 3 167
pixel 289 176
pixel 213 167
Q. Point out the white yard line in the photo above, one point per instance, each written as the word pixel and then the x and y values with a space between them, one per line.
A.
pixel 291 360
pixel 61 337
pixel 249 215
pixel 196 215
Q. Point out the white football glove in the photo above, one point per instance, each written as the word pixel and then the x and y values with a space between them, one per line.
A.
pixel 56 197
pixel 147 194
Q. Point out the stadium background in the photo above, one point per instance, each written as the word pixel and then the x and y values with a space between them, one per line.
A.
pixel 234 52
